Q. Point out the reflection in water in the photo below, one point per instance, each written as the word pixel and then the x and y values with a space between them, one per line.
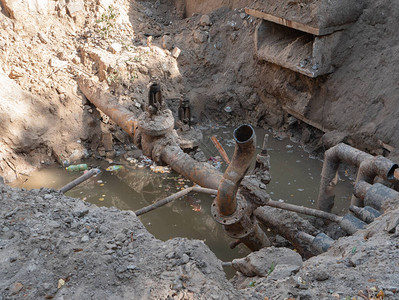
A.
pixel 295 178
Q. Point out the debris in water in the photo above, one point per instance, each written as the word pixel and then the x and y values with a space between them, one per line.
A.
pixel 114 168
pixel 228 109
pixel 160 169
pixel 80 167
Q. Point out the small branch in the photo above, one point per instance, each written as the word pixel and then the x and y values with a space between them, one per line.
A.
pixel 174 197
pixel 220 149
pixel 304 210
pixel 79 180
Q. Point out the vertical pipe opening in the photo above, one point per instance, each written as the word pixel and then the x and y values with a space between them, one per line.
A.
pixel 243 133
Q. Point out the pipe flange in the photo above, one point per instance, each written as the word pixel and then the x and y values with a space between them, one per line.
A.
pixel 233 218
pixel 157 124
pixel 247 227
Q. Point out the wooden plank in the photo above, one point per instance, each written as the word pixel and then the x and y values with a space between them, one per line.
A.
pixel 301 117
pixel 294 24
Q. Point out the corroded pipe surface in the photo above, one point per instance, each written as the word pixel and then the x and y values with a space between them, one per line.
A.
pixel 378 196
pixel 287 224
pixel 244 152
pixel 200 173
pixel 369 169
pixel 108 105
pixel 332 158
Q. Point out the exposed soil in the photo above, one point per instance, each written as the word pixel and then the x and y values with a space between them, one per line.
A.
pixel 208 59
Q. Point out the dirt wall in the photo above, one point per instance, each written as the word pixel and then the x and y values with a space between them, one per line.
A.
pixel 191 7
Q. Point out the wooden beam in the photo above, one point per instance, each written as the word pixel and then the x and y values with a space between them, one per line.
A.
pixel 294 24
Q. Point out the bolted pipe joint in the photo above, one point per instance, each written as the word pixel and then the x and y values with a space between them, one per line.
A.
pixel 231 209
pixel 155 126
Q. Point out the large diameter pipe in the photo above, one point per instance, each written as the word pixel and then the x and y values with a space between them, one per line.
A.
pixel 200 173
pixel 369 169
pixel 378 196
pixel 117 113
pixel 244 152
pixel 332 159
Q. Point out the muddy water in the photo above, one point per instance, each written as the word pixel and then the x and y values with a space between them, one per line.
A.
pixel 295 178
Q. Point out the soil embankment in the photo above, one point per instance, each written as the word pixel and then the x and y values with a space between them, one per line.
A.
pixel 56 247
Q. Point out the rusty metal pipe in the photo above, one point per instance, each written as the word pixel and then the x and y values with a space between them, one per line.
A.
pixel 108 105
pixel 369 169
pixel 244 152
pixel 378 196
pixel 200 173
pixel 332 159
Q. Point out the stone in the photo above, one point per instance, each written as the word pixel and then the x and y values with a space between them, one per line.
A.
pixel 20 8
pixel 85 238
pixel 282 271
pixel 76 60
pixel 115 48
pixel 205 20
pixel 167 42
pixel 148 12
pixel 42 37
pixel 120 237
pixel 16 72
pixel 321 274
pixel 74 7
pixel 57 63
pixel 176 52
pixel 199 36
pixel 107 141
pixel 264 262
pixel 16 288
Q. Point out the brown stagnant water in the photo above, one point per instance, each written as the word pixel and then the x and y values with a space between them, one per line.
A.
pixel 295 178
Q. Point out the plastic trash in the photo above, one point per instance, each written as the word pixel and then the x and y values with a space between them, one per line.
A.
pixel 80 167
pixel 114 168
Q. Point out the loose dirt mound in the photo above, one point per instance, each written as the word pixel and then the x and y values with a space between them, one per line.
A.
pixel 57 247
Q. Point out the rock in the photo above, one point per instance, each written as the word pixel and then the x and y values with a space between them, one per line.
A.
pixel 176 52
pixel 264 262
pixel 76 60
pixel 321 274
pixel 85 238
pixel 74 7
pixel 282 271
pixel 80 213
pixel 136 153
pixel 115 48
pixel 20 9
pixel 107 141
pixel 16 288
pixel 185 258
pixel 42 37
pixel 58 64
pixel 16 72
pixel 167 42
pixel 199 36
pixel 148 12
pixel 205 20
pixel 332 138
